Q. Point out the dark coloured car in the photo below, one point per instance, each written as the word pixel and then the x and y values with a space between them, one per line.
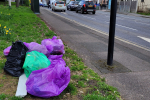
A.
pixel 86 6
pixel 76 4
pixel 70 6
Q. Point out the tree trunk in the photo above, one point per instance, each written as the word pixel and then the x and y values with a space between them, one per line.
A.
pixel 17 3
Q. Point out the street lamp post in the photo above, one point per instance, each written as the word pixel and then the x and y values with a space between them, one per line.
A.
pixel 111 32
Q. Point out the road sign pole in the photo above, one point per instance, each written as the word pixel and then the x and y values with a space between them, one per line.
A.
pixel 111 31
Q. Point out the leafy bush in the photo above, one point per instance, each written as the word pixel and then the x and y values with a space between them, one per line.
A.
pixel 26 2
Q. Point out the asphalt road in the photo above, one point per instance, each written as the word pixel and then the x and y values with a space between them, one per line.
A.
pixel 130 28
pixel 131 65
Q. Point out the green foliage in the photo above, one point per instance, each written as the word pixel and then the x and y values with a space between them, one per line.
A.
pixel 71 89
pixel 50 34
pixel 81 84
pixel 98 97
pixel 77 68
pixel 75 77
pixel 1 85
pixel 84 77
pixel 2 64
pixel 26 2
pixel 7 16
pixel 77 65
pixel 13 3
pixel 3 97
pixel 93 75
pixel 94 97
pixel 5 31
pixel 25 25
pixel 145 13
pixel 109 91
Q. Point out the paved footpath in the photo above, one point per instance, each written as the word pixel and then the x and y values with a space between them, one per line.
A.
pixel 131 71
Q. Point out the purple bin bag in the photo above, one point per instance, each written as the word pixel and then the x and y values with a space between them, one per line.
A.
pixel 26 44
pixel 54 45
pixel 7 50
pixel 33 46
pixel 50 81
pixel 55 58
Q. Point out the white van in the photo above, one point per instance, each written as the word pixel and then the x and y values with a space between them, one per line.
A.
pixel 58 5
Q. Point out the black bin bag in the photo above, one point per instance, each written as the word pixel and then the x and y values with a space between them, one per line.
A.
pixel 15 59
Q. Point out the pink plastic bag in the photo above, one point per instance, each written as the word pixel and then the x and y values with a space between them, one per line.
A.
pixel 51 81
pixel 54 45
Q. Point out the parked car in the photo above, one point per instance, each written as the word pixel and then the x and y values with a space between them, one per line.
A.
pixel 76 4
pixel 44 3
pixel 58 5
pixel 72 5
pixel 86 6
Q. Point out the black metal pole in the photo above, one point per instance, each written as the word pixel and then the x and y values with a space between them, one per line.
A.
pixel 112 32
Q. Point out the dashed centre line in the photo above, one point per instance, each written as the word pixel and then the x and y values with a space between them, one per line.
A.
pixel 125 27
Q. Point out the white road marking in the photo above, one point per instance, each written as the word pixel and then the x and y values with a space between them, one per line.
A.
pixel 126 17
pixel 120 18
pixel 125 27
pixel 144 38
pixel 107 16
pixel 64 13
pixel 89 17
pixel 141 23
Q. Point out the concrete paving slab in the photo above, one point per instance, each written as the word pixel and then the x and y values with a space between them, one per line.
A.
pixel 132 85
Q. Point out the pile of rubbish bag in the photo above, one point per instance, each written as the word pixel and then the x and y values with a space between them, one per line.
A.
pixel 46 71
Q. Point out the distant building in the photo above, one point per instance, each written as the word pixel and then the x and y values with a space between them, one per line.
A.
pixel 143 6
pixel 103 1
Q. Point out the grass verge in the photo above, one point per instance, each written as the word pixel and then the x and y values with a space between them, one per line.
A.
pixel 84 84
pixel 144 13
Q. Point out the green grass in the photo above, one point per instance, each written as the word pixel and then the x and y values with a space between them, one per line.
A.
pixel 7 97
pixel 2 64
pixel 2 3
pixel 144 13
pixel 71 89
pixel 81 84
pixel 25 25
pixel 75 77
pixel 1 85
pixel 94 97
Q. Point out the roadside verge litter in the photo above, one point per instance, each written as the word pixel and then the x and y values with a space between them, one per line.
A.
pixel 46 72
